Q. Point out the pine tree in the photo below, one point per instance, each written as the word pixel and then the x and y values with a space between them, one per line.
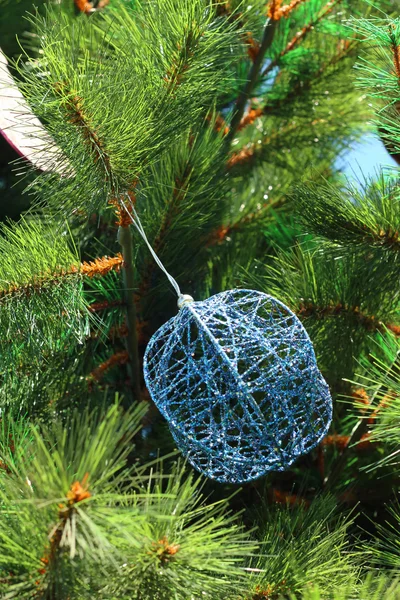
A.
pixel 220 123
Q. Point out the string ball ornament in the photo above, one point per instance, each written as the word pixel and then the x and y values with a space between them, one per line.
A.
pixel 237 380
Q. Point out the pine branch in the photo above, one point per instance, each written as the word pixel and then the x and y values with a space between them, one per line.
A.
pixel 385 132
pixel 302 542
pixel 78 95
pixel 304 85
pixel 358 431
pixel 300 35
pixel 380 75
pixel 96 268
pixel 251 151
pixel 373 585
pixel 77 115
pixel 101 266
pixel 181 533
pixel 235 17
pixel 368 322
pixel 181 60
pixel 50 572
pixel 342 441
pixel 370 222
pixel 219 123
pixel 343 308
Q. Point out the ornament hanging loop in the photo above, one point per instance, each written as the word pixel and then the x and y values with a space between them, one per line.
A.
pixel 183 300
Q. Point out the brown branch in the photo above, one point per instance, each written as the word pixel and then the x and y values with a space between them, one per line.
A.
pixel 270 591
pixel 393 328
pixel 242 157
pixel 77 493
pixel 281 497
pixel 245 94
pixel 251 116
pixel 341 441
pixel 121 331
pixel 223 9
pixel 385 134
pixel 273 10
pixel 164 550
pixel 101 266
pixel 126 243
pixel 4 466
pixel 387 139
pixel 276 11
pixel 124 213
pixel 219 124
pixel 248 153
pixel 300 35
pixel 386 400
pixel 253 47
pixel 117 332
pixel 119 358
pixel 77 115
pixel 362 399
pixel 396 51
pixel 383 237
pixel 98 267
pixel 180 64
pixel 361 396
pixel 104 305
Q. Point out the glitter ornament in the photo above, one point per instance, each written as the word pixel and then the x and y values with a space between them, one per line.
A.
pixel 237 380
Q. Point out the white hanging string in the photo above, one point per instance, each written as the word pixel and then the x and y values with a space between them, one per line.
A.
pixel 182 298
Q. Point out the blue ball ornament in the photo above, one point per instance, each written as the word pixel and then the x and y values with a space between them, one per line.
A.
pixel 237 380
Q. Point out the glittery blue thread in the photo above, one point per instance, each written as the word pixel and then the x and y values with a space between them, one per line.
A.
pixel 237 380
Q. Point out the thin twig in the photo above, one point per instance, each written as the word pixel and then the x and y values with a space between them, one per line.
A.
pixel 246 93
pixel 125 240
